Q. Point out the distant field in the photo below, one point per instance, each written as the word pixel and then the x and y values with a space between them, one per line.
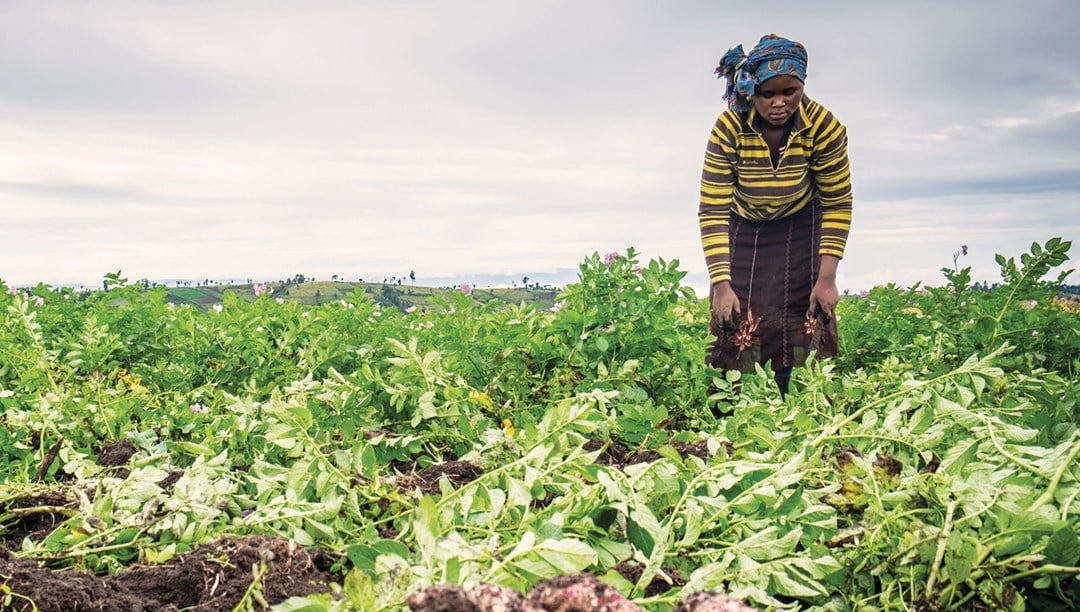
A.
pixel 391 295
pixel 196 296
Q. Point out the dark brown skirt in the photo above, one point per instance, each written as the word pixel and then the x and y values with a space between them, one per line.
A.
pixel 774 265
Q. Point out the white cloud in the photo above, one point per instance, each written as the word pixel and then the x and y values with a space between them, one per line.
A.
pixel 247 139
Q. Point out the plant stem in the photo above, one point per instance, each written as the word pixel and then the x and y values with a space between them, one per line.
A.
pixel 47 460
pixel 939 556
pixel 1048 495
pixel 254 590
pixel 1049 568
pixel 829 431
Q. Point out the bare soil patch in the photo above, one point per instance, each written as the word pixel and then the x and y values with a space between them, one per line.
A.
pixel 215 576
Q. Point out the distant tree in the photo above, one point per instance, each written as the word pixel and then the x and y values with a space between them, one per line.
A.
pixel 525 280
pixel 412 276
pixel 334 278
pixel 298 279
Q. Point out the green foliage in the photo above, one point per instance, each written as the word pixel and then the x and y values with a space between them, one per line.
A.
pixel 934 328
pixel 933 464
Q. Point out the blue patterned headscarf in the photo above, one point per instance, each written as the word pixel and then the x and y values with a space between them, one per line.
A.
pixel 773 56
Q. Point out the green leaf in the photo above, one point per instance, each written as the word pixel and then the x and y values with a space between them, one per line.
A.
pixel 1063 547
pixel 692 518
pixel 769 544
pixel 362 556
pixel 602 344
pixel 310 603
pixel 958 456
pixel 611 552
pixel 392 547
pixel 426 406
pixel 959 558
pixel 426 527
pixel 796 585
pixel 963 417
pixel 1012 544
pixel 359 588
pixel 643 530
pixel 319 530
pixel 985 326
pixel 551 558
pixel 517 493
pixel 668 452
pixel 282 434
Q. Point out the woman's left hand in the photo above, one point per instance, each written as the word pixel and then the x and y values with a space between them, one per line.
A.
pixel 823 297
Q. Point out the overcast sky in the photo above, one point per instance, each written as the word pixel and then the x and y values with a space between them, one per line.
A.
pixel 263 139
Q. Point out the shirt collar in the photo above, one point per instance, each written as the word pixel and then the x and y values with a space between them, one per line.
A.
pixel 801 122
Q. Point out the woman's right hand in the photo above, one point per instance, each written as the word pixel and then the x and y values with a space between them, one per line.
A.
pixel 723 305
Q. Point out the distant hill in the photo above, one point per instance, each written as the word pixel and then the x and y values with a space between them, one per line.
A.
pixel 386 294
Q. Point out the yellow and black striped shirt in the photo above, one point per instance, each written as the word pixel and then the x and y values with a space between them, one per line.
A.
pixel 739 177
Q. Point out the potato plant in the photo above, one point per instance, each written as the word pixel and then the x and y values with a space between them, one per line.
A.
pixel 932 465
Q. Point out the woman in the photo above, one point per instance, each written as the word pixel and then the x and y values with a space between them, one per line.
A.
pixel 775 212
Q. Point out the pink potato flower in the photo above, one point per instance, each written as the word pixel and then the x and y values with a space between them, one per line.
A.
pixel 611 257
pixel 465 288
pixel 260 288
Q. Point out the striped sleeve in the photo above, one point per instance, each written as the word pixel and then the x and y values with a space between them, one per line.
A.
pixel 829 163
pixel 717 191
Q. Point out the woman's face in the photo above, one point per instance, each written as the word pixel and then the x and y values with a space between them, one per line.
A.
pixel 777 99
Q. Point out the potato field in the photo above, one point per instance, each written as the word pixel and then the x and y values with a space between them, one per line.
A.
pixel 263 454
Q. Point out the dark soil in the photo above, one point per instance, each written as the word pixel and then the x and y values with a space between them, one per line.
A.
pixel 427 479
pixel 843 457
pixel 482 598
pixel 657 586
pixel 617 455
pixel 170 480
pixel 222 575
pixel 262 571
pixel 212 577
pixel 888 465
pixel 33 516
pixel 576 593
pixel 115 454
pixel 614 454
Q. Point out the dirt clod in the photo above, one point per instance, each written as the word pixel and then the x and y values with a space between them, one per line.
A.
pixel 34 515
pixel 427 479
pixel 658 585
pixel 442 598
pixel 167 482
pixel 577 593
pixel 212 577
pixel 615 454
pixel 115 454
pixel 888 465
